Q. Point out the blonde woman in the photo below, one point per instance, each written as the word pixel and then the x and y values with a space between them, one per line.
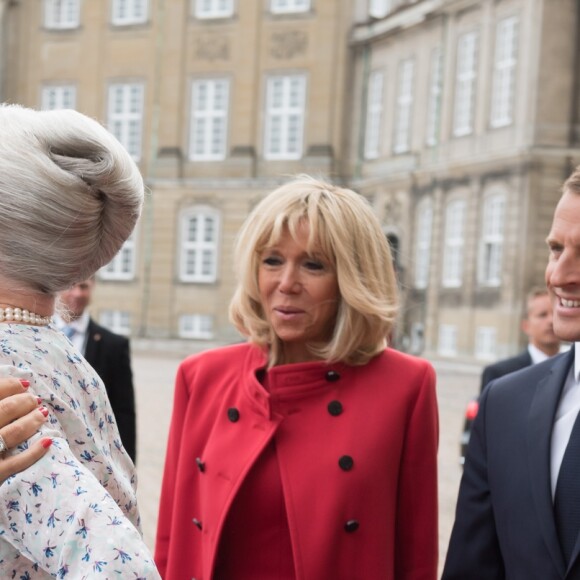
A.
pixel 309 451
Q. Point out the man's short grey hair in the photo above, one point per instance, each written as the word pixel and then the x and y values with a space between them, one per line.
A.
pixel 70 195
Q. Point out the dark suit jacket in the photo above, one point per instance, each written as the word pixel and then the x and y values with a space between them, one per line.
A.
pixel 109 355
pixel 504 367
pixel 504 526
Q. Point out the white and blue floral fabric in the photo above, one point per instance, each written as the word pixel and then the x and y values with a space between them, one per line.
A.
pixel 73 514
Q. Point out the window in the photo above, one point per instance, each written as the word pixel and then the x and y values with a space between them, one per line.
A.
pixel 485 337
pixel 285 100
pixel 504 72
pixel 199 246
pixel 454 242
pixel 59 97
pixel 62 14
pixel 122 266
pixel 198 326
pixel 491 244
pixel 117 321
pixel 447 340
pixel 379 8
pixel 285 6
pixel 404 111
pixel 394 246
pixel 465 84
pixel 126 116
pixel 374 114
pixel 209 119
pixel 417 338
pixel 424 228
pixel 129 12
pixel 214 8
pixel 434 104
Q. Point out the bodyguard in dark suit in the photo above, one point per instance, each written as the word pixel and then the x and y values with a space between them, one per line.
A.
pixel 517 516
pixel 543 343
pixel 108 353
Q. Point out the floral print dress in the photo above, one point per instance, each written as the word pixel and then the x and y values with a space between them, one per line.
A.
pixel 73 514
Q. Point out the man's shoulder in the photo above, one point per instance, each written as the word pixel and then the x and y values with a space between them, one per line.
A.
pixel 509 365
pixel 534 372
pixel 98 332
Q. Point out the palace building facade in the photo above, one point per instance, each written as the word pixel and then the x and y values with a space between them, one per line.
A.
pixel 457 119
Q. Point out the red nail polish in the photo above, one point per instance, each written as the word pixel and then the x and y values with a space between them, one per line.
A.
pixel 46 442
pixel 25 383
pixel 38 400
pixel 44 411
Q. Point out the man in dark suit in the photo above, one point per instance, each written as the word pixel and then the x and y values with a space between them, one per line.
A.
pixel 516 507
pixel 108 353
pixel 543 343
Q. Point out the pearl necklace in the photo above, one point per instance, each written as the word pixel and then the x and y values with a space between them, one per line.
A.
pixel 14 314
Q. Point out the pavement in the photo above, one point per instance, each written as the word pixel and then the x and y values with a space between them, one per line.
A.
pixel 154 373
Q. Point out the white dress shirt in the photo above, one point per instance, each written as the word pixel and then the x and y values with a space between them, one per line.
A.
pixel 81 325
pixel 536 354
pixel 568 409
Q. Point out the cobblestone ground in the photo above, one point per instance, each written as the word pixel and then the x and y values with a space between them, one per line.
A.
pixel 154 377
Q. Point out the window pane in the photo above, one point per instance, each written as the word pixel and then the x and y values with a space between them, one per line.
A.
pixel 126 115
pixel 199 239
pixel 285 117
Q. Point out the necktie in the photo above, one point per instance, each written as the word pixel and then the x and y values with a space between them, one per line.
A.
pixel 69 331
pixel 567 498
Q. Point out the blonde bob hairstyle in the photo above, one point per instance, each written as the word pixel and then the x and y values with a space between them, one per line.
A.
pixel 70 195
pixel 345 230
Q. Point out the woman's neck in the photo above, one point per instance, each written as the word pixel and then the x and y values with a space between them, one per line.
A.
pixel 41 304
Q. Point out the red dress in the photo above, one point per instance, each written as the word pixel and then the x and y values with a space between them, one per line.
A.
pixel 255 542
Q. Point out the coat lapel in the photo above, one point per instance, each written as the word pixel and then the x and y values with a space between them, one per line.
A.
pixel 541 418
pixel 91 345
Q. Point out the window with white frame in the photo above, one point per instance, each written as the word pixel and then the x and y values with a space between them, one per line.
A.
pixel 197 326
pixel 424 228
pixel 122 266
pixel 434 104
pixel 287 6
pixel 447 344
pixel 284 129
pixel 454 243
pixel 199 236
pixel 504 72
pixel 404 112
pixel 214 8
pixel 374 114
pixel 126 115
pixel 485 341
pixel 129 12
pixel 209 119
pixel 118 321
pixel 466 75
pixel 62 14
pixel 379 8
pixel 491 244
pixel 59 97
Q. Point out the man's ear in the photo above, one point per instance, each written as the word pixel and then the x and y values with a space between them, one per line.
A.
pixel 524 325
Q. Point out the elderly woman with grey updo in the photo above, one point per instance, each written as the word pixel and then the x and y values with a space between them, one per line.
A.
pixel 70 195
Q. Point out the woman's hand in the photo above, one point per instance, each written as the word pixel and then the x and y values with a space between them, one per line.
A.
pixel 20 418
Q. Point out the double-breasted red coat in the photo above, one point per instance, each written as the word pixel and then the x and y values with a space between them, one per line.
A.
pixel 372 516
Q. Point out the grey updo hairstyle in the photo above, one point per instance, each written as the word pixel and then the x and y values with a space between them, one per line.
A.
pixel 70 195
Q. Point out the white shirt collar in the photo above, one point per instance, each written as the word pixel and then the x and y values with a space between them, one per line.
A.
pixel 80 324
pixel 576 360
pixel 536 354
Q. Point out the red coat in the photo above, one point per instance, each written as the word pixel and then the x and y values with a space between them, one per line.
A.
pixel 374 521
